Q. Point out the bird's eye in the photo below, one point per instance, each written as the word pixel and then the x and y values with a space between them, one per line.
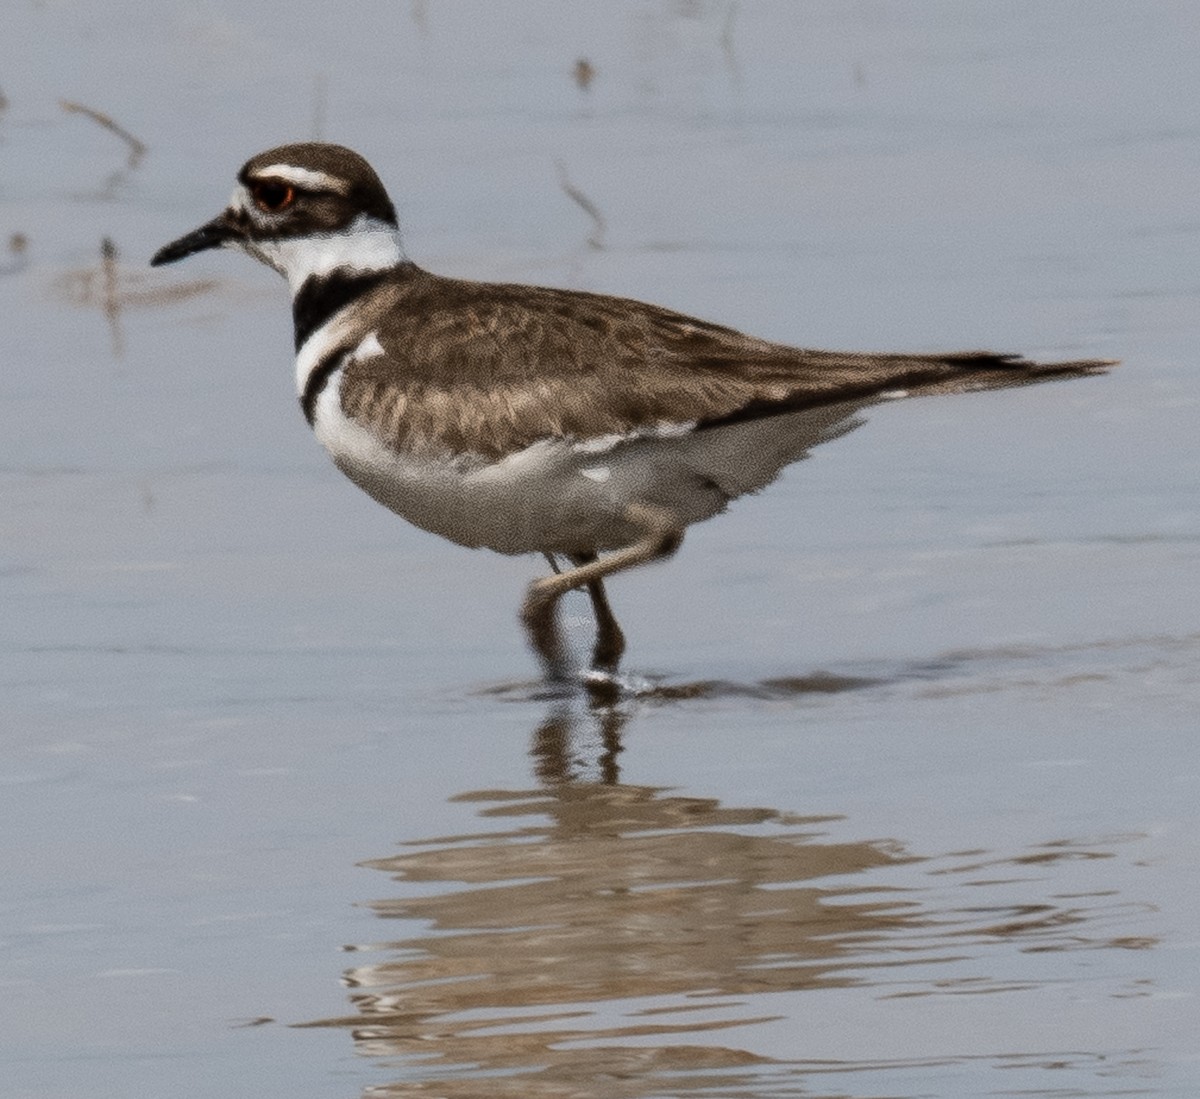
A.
pixel 271 196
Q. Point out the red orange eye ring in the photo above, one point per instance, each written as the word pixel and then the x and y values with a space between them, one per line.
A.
pixel 272 195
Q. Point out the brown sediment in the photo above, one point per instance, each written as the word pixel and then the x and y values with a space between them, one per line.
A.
pixel 584 72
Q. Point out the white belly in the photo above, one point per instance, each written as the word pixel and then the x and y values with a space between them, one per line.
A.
pixel 562 497
pixel 545 498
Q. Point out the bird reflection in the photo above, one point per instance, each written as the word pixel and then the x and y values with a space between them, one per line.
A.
pixel 595 892
pixel 606 931
pixel 557 761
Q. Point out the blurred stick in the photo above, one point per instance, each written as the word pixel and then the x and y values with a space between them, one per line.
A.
pixel 112 298
pixel 596 240
pixel 320 103
pixel 727 48
pixel 137 149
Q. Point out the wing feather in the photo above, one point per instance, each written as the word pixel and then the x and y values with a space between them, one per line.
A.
pixel 492 368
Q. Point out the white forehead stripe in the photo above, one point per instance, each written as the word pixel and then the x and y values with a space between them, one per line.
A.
pixel 302 177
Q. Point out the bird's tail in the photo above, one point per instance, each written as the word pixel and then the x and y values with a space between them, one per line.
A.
pixel 967 371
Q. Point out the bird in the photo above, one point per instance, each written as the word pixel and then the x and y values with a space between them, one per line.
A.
pixel 588 428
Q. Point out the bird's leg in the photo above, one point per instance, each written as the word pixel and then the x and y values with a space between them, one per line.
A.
pixel 610 641
pixel 661 535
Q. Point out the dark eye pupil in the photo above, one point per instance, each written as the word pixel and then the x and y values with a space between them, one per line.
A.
pixel 272 195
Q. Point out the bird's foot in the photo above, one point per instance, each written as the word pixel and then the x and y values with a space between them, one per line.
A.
pixel 609 647
pixel 604 688
pixel 539 615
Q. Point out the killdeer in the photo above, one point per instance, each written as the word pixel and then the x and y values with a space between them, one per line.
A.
pixel 590 429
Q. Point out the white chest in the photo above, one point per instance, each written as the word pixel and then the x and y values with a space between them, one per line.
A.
pixel 548 497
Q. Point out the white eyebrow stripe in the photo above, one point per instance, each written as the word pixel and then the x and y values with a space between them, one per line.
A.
pixel 302 177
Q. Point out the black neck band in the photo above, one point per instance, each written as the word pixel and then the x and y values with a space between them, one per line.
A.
pixel 319 298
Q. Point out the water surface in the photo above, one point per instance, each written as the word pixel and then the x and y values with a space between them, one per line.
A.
pixel 902 799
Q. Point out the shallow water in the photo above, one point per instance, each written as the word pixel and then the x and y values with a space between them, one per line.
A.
pixel 900 796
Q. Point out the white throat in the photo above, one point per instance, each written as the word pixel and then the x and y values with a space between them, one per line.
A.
pixel 366 244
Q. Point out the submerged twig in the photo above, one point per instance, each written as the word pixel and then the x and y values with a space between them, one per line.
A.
pixel 137 149
pixel 731 61
pixel 420 16
pixel 18 249
pixel 111 295
pixel 320 103
pixel 596 240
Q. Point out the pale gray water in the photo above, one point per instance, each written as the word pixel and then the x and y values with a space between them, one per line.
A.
pixel 912 810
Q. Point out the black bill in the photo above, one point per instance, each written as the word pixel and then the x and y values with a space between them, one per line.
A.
pixel 212 235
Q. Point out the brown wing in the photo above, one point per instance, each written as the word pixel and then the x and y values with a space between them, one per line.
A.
pixel 492 368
